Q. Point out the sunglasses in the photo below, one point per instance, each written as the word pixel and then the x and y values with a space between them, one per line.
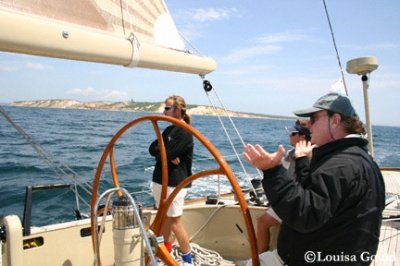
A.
pixel 294 133
pixel 169 107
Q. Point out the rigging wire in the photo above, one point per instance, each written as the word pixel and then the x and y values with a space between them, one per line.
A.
pixel 188 50
pixel 208 88
pixel 334 44
pixel 59 168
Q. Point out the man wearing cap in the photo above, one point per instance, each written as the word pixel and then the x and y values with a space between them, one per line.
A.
pixel 334 214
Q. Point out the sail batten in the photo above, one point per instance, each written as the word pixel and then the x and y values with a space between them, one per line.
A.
pixel 106 39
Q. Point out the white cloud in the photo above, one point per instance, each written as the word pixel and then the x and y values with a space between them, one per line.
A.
pixel 194 19
pixel 281 37
pixel 7 68
pixel 245 53
pixel 375 46
pixel 212 14
pixel 114 94
pixel 79 91
pixel 250 69
pixel 15 66
pixel 37 66
pixel 262 45
pixel 99 94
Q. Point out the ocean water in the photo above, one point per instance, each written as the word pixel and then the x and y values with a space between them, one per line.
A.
pixel 75 139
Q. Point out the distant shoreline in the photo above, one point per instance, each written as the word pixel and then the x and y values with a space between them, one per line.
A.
pixel 131 106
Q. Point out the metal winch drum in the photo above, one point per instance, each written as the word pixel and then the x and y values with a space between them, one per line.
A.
pixel 123 214
pixel 126 235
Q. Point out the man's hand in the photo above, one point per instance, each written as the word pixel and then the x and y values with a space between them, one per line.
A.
pixel 262 159
pixel 303 148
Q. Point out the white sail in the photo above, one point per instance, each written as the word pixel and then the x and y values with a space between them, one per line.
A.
pixel 128 33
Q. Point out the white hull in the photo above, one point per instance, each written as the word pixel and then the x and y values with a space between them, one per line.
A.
pixel 63 244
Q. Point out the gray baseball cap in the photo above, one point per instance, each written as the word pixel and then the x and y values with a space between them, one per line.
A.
pixel 332 101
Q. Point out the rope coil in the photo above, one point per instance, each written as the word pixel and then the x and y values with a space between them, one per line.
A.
pixel 201 256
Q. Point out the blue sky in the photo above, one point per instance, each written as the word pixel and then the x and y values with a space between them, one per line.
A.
pixel 273 57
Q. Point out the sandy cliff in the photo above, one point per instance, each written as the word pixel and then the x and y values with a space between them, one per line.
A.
pixel 131 106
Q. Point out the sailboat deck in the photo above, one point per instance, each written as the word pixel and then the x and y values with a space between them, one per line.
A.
pixel 389 240
pixel 392 180
pixel 389 245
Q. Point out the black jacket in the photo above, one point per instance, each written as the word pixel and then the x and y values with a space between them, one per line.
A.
pixel 178 143
pixel 336 210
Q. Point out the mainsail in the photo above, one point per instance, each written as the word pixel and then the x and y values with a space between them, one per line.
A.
pixel 131 33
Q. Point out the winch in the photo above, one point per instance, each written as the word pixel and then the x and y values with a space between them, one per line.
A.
pixel 126 235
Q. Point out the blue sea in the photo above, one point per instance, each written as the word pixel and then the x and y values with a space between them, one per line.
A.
pixel 75 139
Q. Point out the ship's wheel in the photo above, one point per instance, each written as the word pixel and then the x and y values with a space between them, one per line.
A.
pixel 159 220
